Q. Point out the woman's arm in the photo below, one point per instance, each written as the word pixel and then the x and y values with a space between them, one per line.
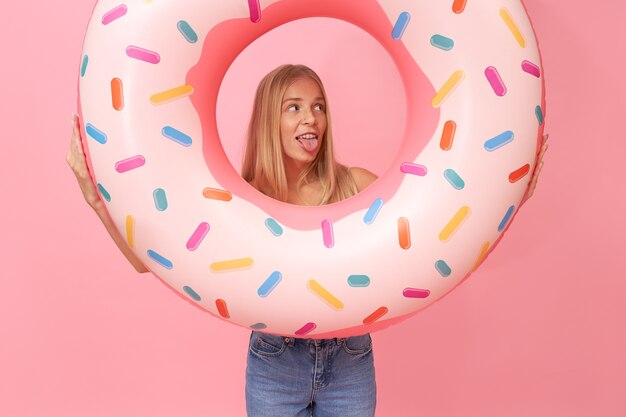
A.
pixel 362 177
pixel 76 161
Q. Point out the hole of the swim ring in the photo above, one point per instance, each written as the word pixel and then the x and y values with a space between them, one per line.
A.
pixel 365 91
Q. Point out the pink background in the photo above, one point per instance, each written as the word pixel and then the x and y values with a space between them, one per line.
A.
pixel 537 331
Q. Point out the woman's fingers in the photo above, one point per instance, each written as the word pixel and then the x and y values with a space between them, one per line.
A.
pixel 78 163
pixel 535 177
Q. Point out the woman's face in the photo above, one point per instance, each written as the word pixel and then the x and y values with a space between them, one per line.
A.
pixel 302 121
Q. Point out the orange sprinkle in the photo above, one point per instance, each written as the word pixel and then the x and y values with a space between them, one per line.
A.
pixel 375 315
pixel 130 231
pixel 222 308
pixel 519 173
pixel 458 6
pixel 481 256
pixel 404 234
pixel 217 194
pixel 117 93
pixel 447 136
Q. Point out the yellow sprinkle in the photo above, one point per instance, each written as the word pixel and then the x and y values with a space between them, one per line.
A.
pixel 481 256
pixel 508 19
pixel 448 87
pixel 323 293
pixel 454 223
pixel 171 94
pixel 233 264
pixel 130 231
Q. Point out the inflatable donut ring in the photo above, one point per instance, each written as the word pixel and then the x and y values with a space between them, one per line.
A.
pixel 149 77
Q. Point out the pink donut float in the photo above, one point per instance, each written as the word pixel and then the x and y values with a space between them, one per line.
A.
pixel 149 78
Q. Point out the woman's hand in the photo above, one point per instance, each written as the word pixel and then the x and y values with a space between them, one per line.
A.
pixel 533 181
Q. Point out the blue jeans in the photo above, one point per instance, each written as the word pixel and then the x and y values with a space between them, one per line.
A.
pixel 289 377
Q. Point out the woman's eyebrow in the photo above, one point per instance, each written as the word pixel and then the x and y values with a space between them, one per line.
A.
pixel 301 99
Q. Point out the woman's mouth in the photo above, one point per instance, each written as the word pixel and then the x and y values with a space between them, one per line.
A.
pixel 308 141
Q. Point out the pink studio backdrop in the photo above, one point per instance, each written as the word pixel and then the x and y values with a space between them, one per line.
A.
pixel 537 331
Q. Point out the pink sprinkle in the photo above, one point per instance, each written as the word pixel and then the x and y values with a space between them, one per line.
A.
pixel 130 163
pixel 255 10
pixel 415 169
pixel 327 232
pixel 197 236
pixel 114 14
pixel 496 81
pixel 415 293
pixel 531 68
pixel 307 328
pixel 143 54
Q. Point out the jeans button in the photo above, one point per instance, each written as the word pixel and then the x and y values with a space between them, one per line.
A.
pixel 287 340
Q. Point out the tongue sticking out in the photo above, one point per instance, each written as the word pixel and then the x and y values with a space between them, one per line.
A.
pixel 309 145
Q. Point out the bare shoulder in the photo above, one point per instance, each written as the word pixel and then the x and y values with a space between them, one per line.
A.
pixel 362 177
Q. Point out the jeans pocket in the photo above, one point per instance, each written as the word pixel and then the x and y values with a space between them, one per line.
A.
pixel 358 345
pixel 267 344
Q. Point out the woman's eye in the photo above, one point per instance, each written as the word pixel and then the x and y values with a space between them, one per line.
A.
pixel 293 107
pixel 319 107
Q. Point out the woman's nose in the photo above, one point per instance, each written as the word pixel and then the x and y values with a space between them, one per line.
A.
pixel 308 117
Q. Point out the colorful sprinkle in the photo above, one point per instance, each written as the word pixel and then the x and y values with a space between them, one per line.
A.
pixel 373 211
pixel 197 236
pixel 458 6
pixel 96 134
pixel 130 163
pixel 414 169
pixel 255 10
pixel 117 94
pixel 217 194
pixel 415 293
pixel 187 31
pixel 447 136
pixel 510 23
pixel 231 265
pixel 448 87
pixel 493 76
pixel 190 292
pixel 270 283
pixel 481 256
pixel 171 94
pixel 443 268
pixel 114 14
pixel 442 42
pixel 142 54
pixel 327 233
pixel 306 329
pixel 161 260
pixel 376 315
pixel 83 66
pixel 358 280
pixel 160 199
pixel 519 173
pixel 454 179
pixel 454 224
pixel 400 26
pixel 539 114
pixel 404 233
pixel 506 218
pixel 324 294
pixel 258 326
pixel 176 135
pixel 273 226
pixel 130 231
pixel 499 141
pixel 104 192
pixel 531 68
pixel 222 308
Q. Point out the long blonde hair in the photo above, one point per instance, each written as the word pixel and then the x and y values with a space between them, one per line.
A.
pixel 263 165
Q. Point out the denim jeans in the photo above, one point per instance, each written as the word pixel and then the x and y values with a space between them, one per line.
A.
pixel 289 377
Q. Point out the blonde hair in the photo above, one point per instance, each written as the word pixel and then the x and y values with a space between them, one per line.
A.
pixel 263 165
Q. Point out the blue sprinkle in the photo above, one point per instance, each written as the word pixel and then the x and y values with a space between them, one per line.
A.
pixel 105 193
pixel 190 292
pixel 400 26
pixel 97 134
pixel 259 326
pixel 443 268
pixel 274 227
pixel 359 280
pixel 499 141
pixel 160 259
pixel 372 212
pixel 176 135
pixel 83 66
pixel 539 114
pixel 442 42
pixel 186 30
pixel 270 283
pixel 160 199
pixel 454 179
pixel 506 218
